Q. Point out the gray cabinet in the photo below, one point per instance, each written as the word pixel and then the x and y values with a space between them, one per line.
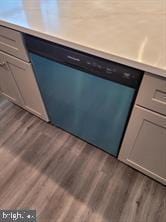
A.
pixel 17 81
pixel 18 84
pixel 27 85
pixel 8 86
pixel 144 143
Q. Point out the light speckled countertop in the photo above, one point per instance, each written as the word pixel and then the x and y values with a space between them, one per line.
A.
pixel 132 32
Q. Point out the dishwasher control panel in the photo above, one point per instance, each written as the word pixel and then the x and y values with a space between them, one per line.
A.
pixel 85 62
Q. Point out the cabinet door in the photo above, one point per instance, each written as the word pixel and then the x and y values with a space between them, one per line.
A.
pixel 26 82
pixel 144 144
pixel 8 86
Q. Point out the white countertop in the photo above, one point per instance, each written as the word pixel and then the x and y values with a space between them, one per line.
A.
pixel 132 32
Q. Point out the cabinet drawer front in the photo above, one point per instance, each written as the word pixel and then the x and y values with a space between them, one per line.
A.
pixel 144 144
pixel 152 93
pixel 11 42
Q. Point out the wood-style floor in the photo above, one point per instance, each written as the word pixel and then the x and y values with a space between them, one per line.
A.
pixel 68 180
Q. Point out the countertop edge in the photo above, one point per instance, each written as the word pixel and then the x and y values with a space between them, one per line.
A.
pixel 87 49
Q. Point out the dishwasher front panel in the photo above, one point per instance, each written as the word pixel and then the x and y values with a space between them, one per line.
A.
pixel 90 107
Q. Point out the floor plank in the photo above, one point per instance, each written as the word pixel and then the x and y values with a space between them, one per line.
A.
pixel 67 180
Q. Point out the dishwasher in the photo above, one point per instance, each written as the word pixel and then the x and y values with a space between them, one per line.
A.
pixel 86 95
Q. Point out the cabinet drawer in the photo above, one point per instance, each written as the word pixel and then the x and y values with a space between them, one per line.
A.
pixel 144 144
pixel 11 42
pixel 152 93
